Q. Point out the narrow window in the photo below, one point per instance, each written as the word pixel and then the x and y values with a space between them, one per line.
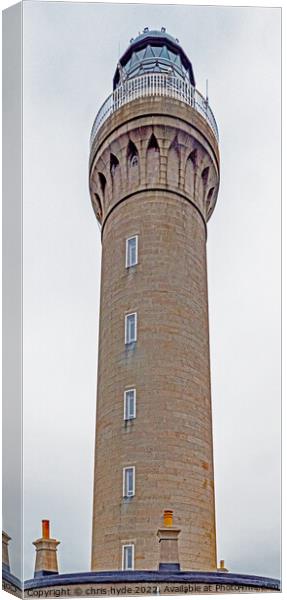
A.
pixel 128 557
pixel 114 163
pixel 132 251
pixel 128 482
pixel 132 164
pixel 210 194
pixel 193 157
pixel 153 161
pixel 204 175
pixel 134 161
pixel 132 154
pixel 131 328
pixel 102 182
pixel 130 404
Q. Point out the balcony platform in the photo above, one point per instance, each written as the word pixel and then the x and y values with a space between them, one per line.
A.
pixel 154 85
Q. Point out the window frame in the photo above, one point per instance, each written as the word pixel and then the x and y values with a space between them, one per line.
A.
pixel 132 159
pixel 127 341
pixel 124 546
pixel 126 413
pixel 125 469
pixel 132 237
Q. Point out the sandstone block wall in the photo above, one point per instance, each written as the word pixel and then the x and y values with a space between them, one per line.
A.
pixel 155 176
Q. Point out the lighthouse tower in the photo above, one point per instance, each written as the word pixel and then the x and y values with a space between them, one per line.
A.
pixel 154 177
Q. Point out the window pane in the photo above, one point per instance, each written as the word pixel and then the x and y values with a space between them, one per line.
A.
pixel 134 59
pixel 128 557
pixel 131 251
pixel 140 53
pixel 164 52
pixel 129 397
pixel 129 487
pixel 156 50
pixel 130 481
pixel 148 52
pixel 131 410
pixel 131 328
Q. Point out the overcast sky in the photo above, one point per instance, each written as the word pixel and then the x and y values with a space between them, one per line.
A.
pixel 70 54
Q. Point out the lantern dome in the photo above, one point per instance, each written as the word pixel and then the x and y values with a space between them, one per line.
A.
pixel 153 52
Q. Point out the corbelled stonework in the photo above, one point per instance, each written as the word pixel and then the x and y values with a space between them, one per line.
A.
pixel 167 150
pixel 154 172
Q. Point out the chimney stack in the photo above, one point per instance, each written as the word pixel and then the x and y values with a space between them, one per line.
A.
pixel 5 551
pixel 46 553
pixel 222 567
pixel 168 539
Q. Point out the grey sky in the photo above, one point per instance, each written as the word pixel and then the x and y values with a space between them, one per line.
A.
pixel 70 54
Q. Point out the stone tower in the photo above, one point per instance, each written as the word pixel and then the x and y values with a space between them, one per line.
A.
pixel 154 177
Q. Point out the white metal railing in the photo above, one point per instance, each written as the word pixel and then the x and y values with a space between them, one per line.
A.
pixel 154 84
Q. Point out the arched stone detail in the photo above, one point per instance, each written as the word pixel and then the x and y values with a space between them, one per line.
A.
pixel 97 207
pixel 190 172
pixel 114 164
pixel 205 175
pixel 115 172
pixel 102 179
pixel 211 191
pixel 103 184
pixel 173 164
pixel 133 166
pixel 156 155
pixel 202 179
pixel 153 160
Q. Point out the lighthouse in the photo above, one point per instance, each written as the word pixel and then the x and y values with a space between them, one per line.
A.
pixel 154 179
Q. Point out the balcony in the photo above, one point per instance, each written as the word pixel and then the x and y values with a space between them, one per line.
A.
pixel 154 84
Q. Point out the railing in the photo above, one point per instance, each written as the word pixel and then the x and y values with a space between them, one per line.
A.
pixel 154 84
